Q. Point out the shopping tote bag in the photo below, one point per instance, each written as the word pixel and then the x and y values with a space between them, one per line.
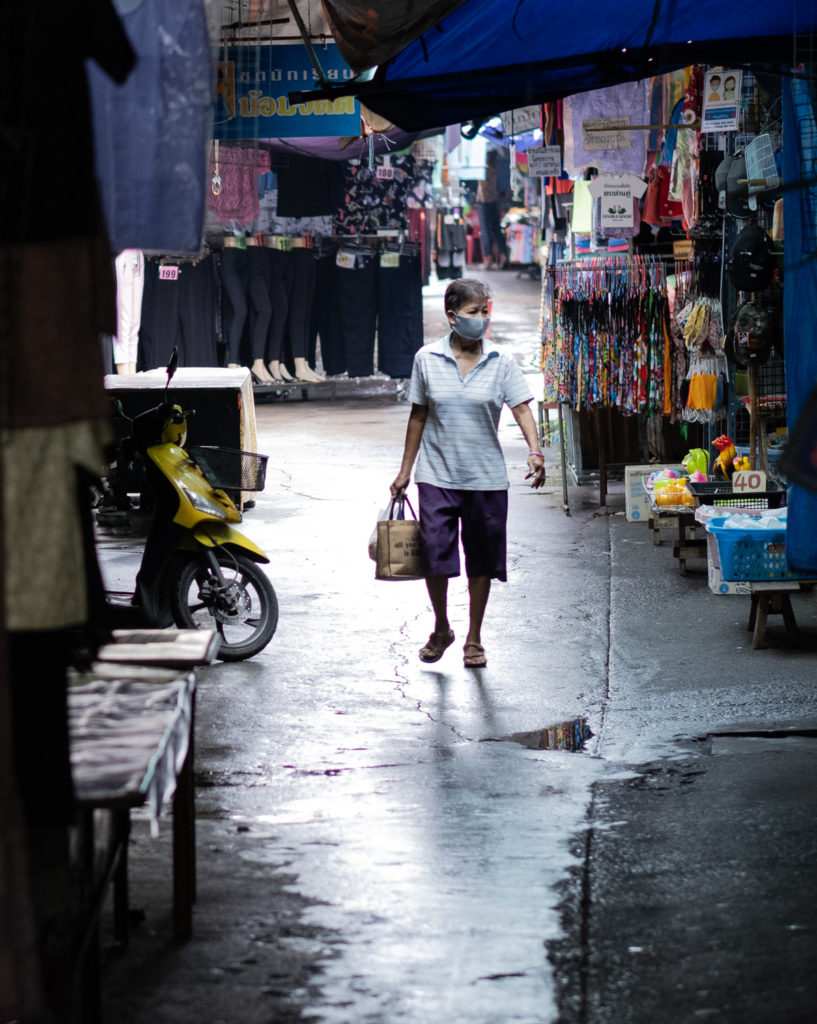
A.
pixel 400 553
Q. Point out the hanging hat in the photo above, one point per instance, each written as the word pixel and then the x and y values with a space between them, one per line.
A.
pixel 750 340
pixel 738 201
pixel 751 260
pixel 721 171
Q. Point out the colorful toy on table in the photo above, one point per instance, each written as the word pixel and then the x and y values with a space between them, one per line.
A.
pixel 660 478
pixel 698 477
pixel 724 464
pixel 696 460
pixel 741 463
pixel 670 492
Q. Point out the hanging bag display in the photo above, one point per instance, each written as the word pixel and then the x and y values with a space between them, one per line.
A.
pixel 400 552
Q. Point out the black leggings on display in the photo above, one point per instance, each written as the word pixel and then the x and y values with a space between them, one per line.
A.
pixel 280 291
pixel 357 313
pixel 234 281
pixel 300 301
pixel 259 274
pixel 399 316
pixel 325 319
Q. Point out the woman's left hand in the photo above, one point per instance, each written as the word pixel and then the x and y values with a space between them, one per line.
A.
pixel 536 469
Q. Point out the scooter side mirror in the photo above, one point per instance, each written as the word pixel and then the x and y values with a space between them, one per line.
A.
pixel 172 365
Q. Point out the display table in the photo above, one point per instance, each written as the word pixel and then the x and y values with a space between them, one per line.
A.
pixel 131 731
pixel 689 541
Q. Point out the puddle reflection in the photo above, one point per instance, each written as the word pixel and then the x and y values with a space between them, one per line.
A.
pixel 570 735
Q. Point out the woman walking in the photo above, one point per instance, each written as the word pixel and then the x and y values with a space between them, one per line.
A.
pixel 458 388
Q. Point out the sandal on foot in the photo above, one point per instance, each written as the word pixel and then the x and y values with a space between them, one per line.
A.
pixel 474 656
pixel 436 646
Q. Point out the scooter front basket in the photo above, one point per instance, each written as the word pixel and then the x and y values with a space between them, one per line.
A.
pixel 230 469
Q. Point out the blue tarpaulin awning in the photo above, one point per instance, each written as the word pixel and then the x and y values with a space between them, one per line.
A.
pixel 487 56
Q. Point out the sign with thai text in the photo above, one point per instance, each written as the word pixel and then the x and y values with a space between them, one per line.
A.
pixel 252 94
pixel 600 133
pixel 523 119
pixel 544 161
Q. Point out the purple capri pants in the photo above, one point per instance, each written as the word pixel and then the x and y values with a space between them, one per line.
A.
pixel 484 516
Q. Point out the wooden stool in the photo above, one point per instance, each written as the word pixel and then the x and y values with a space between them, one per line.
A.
pixel 764 603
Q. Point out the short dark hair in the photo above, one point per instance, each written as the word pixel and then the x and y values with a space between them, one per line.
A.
pixel 465 289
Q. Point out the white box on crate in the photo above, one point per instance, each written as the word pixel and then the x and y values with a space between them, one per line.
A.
pixel 717 584
pixel 636 499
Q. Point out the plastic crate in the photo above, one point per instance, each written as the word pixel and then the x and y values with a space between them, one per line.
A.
pixel 756 555
pixel 231 469
pixel 717 492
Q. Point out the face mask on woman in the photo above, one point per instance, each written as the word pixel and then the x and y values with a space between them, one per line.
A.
pixel 471 328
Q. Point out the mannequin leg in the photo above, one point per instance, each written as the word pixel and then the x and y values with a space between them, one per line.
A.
pixel 303 371
pixel 260 372
pixel 300 313
pixel 260 312
pixel 130 286
pixel 280 374
pixel 234 282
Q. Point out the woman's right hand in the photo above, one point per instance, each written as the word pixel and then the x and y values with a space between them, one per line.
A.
pixel 400 483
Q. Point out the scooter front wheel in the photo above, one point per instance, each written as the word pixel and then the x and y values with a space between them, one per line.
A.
pixel 241 606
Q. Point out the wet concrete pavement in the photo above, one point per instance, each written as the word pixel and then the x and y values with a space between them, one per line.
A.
pixel 380 840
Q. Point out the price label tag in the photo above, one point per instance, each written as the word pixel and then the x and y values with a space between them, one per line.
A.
pixel 167 273
pixel 385 172
pixel 544 161
pixel 284 243
pixel 746 480
pixel 390 259
pixel 345 260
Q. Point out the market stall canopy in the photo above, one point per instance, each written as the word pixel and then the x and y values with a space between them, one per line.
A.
pixel 369 32
pixel 487 56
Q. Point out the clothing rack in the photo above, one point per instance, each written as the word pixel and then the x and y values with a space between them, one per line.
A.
pixel 367 245
pixel 608 338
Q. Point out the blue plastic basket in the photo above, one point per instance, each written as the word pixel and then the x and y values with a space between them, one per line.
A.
pixel 757 555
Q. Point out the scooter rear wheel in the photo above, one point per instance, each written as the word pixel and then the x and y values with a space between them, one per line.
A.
pixel 244 612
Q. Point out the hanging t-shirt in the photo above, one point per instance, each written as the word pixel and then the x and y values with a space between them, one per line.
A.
pixel 581 221
pixel 615 204
pixel 614 148
pixel 238 169
pixel 151 133
pixel 309 186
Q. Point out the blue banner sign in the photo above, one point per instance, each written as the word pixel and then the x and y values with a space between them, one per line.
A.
pixel 253 86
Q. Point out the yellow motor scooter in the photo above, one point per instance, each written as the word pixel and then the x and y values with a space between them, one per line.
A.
pixel 197 570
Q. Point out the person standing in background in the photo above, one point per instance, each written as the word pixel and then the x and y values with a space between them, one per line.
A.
pixel 494 249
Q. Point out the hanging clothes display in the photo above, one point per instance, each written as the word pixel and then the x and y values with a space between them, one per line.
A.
pixel 378 196
pixel 523 239
pixel 606 150
pixel 179 308
pixel 451 242
pixel 399 310
pixel 151 132
pixel 234 199
pixel 703 393
pixel 607 337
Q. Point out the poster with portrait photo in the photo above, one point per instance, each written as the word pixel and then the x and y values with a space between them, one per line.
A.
pixel 721 100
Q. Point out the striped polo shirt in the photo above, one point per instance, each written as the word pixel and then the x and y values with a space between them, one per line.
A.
pixel 460 447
